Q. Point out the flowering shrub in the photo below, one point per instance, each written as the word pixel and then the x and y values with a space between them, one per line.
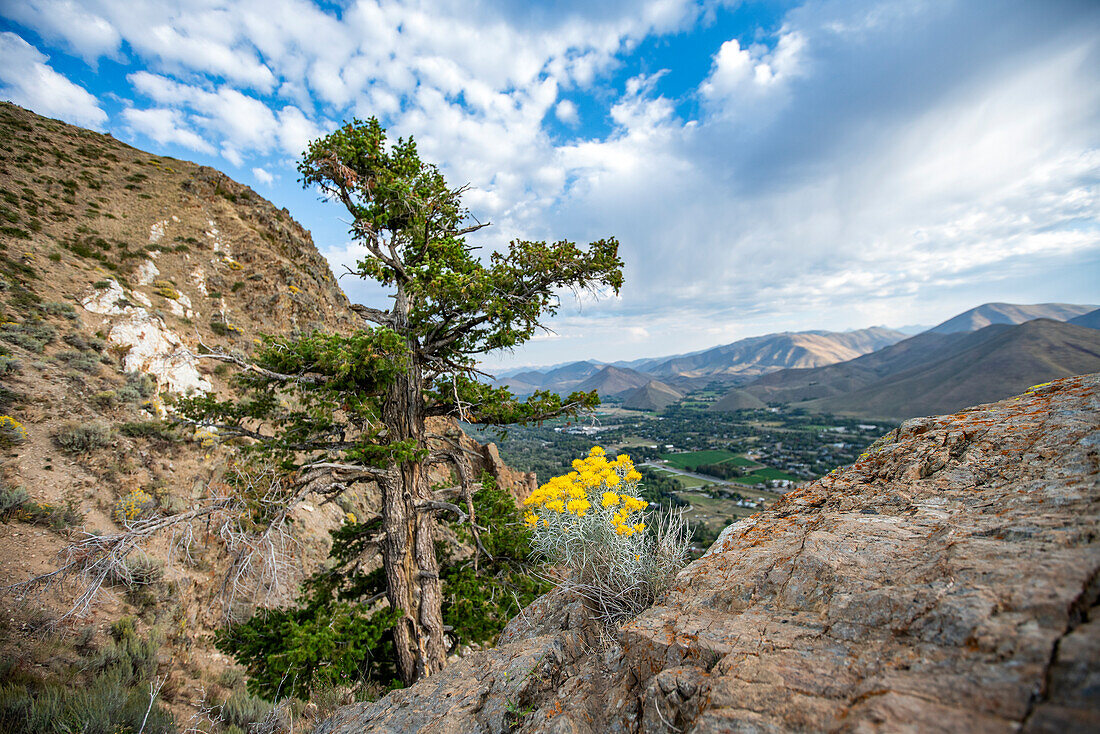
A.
pixel 591 522
pixel 134 506
pixel 12 431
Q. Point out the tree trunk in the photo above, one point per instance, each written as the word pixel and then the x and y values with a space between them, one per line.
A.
pixel 412 571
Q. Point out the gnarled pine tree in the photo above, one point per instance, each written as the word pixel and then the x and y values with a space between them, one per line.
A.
pixel 345 408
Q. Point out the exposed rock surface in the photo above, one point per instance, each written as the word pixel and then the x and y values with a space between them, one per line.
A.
pixel 947 581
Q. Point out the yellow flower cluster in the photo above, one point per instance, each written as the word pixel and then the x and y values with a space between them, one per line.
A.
pixel 133 505
pixel 593 482
pixel 11 431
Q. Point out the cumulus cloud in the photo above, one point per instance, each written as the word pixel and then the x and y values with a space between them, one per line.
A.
pixel 166 126
pixel 263 176
pixel 29 81
pixel 566 112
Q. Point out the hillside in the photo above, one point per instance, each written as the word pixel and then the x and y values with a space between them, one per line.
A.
pixel 944 582
pixel 737 399
pixel 654 395
pixel 1090 319
pixel 611 381
pixel 116 266
pixel 1004 363
pixel 1009 313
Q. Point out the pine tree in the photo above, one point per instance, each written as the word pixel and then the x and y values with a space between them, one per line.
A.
pixel 340 408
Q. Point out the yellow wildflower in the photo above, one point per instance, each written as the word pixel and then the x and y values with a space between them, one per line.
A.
pixel 610 498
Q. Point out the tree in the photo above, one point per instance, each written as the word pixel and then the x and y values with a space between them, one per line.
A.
pixel 341 408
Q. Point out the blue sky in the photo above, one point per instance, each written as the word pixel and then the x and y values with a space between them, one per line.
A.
pixel 767 166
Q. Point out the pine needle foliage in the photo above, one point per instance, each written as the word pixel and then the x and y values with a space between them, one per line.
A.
pixel 339 408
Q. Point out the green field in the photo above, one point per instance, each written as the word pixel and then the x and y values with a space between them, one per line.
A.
pixel 685 482
pixel 692 459
pixel 762 474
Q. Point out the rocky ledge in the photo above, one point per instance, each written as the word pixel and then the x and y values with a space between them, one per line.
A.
pixel 947 581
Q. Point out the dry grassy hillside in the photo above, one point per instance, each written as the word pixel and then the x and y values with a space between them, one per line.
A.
pixel 115 267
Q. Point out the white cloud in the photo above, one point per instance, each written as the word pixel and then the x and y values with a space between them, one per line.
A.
pixel 29 81
pixel 87 33
pixel 263 176
pixel 566 112
pixel 166 126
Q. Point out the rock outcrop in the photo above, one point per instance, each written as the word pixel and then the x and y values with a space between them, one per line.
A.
pixel 947 581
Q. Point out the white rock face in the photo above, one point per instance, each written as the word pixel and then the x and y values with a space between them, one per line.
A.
pixel 156 350
pixel 150 346
pixel 106 301
pixel 142 299
pixel 156 232
pixel 198 277
pixel 147 272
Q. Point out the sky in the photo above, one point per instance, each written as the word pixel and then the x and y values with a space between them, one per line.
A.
pixel 766 166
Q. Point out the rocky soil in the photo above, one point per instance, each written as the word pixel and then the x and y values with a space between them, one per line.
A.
pixel 947 581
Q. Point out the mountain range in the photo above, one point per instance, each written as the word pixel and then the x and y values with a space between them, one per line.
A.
pixel 982 354
pixel 938 372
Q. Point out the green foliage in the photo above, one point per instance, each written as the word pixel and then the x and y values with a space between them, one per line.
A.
pixel 332 638
pixel 243 710
pixel 32 335
pixel 113 698
pixel 291 651
pixel 80 438
pixel 12 500
pixel 479 601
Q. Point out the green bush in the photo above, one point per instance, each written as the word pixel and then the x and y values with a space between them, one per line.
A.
pixel 332 639
pixel 242 710
pixel 30 335
pixel 12 500
pixel 139 386
pixel 57 517
pixel 150 429
pixel 108 695
pixel 80 438
pixel 83 361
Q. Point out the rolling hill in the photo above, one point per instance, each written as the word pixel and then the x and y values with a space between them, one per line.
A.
pixel 613 381
pixel 1090 319
pixel 654 395
pixel 737 399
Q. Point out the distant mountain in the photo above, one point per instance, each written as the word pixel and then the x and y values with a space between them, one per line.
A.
pixel 563 379
pixel 1009 313
pixel 940 373
pixel 613 380
pixel 760 354
pixel 1090 319
pixel 737 399
pixel 654 395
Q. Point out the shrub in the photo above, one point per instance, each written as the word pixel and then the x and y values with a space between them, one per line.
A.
pixel 591 522
pixel 243 710
pixel 12 432
pixel 57 517
pixel 80 438
pixel 83 361
pixel 58 308
pixel 12 500
pixel 149 429
pixel 139 386
pixel 31 335
pixel 136 505
pixel 9 365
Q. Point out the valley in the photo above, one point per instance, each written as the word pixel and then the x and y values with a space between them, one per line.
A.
pixel 718 465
